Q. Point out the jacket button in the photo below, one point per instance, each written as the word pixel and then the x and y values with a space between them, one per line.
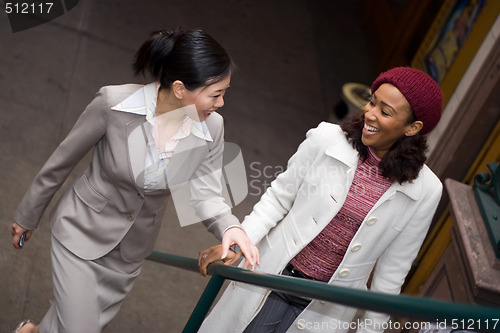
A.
pixel 130 218
pixel 301 325
pixel 371 221
pixel 356 248
pixel 344 272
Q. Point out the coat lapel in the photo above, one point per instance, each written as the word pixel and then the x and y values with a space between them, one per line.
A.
pixel 343 152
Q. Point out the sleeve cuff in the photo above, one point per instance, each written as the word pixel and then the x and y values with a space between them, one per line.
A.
pixel 220 224
pixel 232 226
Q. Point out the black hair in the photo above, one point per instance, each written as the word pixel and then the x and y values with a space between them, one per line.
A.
pixel 193 57
pixel 404 159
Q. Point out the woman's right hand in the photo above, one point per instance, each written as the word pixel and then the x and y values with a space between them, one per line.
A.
pixel 17 232
pixel 214 254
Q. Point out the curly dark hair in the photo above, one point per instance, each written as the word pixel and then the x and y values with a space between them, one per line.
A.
pixel 404 159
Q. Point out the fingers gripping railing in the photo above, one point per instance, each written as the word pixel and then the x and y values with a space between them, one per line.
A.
pixel 479 317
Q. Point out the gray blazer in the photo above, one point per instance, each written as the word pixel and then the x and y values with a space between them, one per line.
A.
pixel 106 205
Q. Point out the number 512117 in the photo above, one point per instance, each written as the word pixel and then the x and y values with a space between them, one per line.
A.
pixel 28 7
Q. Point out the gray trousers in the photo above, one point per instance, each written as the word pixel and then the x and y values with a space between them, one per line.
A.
pixel 87 293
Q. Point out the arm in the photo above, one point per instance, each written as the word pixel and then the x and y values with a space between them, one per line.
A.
pixel 206 188
pixel 278 199
pixel 394 264
pixel 88 130
pixel 209 204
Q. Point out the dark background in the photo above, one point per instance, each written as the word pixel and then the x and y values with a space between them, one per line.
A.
pixel 293 58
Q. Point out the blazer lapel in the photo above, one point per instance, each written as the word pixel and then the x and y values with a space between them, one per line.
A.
pixel 137 146
pixel 137 138
pixel 189 154
pixel 138 101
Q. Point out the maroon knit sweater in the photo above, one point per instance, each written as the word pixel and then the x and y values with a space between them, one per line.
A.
pixel 320 258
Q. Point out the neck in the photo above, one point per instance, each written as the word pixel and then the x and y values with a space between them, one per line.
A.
pixel 167 105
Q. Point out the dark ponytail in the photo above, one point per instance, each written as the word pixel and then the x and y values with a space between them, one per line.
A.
pixel 193 57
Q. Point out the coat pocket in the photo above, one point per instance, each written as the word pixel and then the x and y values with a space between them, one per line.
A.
pixel 89 195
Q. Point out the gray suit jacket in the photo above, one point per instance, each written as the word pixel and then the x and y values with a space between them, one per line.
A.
pixel 107 206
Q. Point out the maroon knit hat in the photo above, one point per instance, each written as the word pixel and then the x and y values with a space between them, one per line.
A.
pixel 420 90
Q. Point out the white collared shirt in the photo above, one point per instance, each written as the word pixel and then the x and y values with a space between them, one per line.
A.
pixel 143 102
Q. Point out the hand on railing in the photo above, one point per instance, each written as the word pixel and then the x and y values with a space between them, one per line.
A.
pixel 214 254
pixel 405 306
pixel 237 236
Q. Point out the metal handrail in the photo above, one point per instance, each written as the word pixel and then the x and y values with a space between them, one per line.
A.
pixel 468 315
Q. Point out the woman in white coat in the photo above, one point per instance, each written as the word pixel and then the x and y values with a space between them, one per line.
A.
pixel 355 199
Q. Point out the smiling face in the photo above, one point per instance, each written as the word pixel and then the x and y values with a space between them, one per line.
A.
pixel 387 118
pixel 206 99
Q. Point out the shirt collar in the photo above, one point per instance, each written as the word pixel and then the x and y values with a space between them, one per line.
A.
pixel 143 102
pixel 197 128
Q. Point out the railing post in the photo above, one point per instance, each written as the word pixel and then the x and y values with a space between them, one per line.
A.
pixel 205 302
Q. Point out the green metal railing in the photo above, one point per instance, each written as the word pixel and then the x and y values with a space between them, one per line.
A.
pixel 463 316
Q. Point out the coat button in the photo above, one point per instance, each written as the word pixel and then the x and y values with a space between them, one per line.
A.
pixel 371 221
pixel 344 272
pixel 301 325
pixel 356 248
pixel 130 218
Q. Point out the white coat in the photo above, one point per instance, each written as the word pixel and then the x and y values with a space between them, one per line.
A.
pixel 299 203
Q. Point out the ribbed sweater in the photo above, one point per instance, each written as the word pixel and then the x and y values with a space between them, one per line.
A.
pixel 322 256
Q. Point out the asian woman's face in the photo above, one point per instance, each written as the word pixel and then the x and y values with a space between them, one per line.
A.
pixel 206 99
pixel 387 117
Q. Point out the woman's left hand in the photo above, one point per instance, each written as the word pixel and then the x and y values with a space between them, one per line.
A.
pixel 17 232
pixel 238 236
pixel 214 254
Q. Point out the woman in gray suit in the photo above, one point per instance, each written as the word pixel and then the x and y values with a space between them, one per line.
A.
pixel 148 141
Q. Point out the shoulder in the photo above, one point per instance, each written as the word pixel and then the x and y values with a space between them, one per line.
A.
pixel 215 119
pixel 426 187
pixel 121 88
pixel 215 124
pixel 114 94
pixel 327 131
pixel 429 178
pixel 325 136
